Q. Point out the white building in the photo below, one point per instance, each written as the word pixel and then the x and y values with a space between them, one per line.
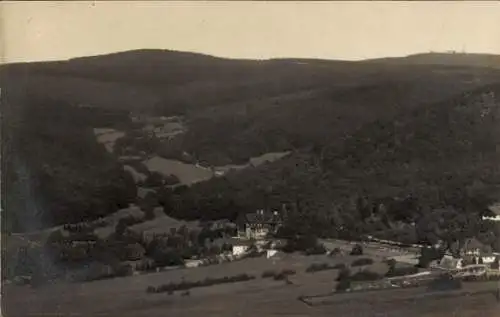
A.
pixel 495 209
pixel 495 218
pixel 241 246
pixel 449 262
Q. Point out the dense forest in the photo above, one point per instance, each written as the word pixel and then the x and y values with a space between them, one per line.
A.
pixel 55 172
pixel 364 136
pixel 436 162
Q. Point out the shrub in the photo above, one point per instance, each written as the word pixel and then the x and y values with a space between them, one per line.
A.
pixel 445 282
pixel 317 249
pixel 391 263
pixel 207 282
pixel 335 251
pixel 401 271
pixel 427 255
pixel 362 261
pixel 278 275
pixel 316 267
pixel 365 275
pixel 307 243
pixel 357 250
pixel 339 266
pixel 344 274
pixel 283 274
pixel 343 285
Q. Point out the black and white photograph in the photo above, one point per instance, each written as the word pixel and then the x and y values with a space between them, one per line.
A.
pixel 250 158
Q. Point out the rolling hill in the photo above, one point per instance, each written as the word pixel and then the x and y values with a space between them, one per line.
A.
pixel 383 128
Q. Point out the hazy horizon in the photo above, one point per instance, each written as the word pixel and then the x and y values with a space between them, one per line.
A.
pixel 45 31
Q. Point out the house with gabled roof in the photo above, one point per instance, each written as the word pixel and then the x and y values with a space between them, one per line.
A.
pixel 259 224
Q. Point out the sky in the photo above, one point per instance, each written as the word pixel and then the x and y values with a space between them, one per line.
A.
pixel 35 31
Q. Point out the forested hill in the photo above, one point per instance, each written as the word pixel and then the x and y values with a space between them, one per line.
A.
pixel 165 81
pixel 53 170
pixel 379 129
pixel 443 155
pixel 450 59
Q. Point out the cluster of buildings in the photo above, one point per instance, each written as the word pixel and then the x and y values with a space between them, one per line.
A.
pixel 472 253
pixel 254 229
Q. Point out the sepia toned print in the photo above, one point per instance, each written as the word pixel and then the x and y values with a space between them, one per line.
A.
pixel 191 158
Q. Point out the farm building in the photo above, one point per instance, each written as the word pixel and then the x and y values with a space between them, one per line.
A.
pixel 259 224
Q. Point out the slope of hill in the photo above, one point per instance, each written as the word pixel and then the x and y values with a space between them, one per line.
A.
pixel 168 81
pixel 333 115
pixel 55 172
pixel 443 154
pixel 450 59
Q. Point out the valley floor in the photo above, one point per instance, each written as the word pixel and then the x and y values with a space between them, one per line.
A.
pixel 260 297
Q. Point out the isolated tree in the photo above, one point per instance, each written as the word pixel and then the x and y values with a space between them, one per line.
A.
pixel 343 285
pixel 357 250
pixel 344 274
pixel 392 266
pixel 155 179
pixel 120 228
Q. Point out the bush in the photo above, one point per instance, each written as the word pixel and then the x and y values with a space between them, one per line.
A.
pixel 365 275
pixel 317 249
pixel 427 255
pixel 391 263
pixel 343 285
pixel 186 286
pixel 357 250
pixel 278 275
pixel 283 274
pixel 288 272
pixel 308 244
pixel 445 282
pixel 339 266
pixel 362 261
pixel 401 271
pixel 316 267
pixel 344 274
pixel 335 251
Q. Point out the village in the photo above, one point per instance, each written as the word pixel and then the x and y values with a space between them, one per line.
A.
pixel 257 261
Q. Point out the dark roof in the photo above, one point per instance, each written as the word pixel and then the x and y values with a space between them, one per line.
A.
pixel 495 208
pixel 473 243
pixel 266 217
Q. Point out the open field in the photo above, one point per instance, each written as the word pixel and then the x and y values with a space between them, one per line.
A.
pixel 127 297
pixel 108 137
pixel 192 173
pixel 162 224
pixel 187 173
